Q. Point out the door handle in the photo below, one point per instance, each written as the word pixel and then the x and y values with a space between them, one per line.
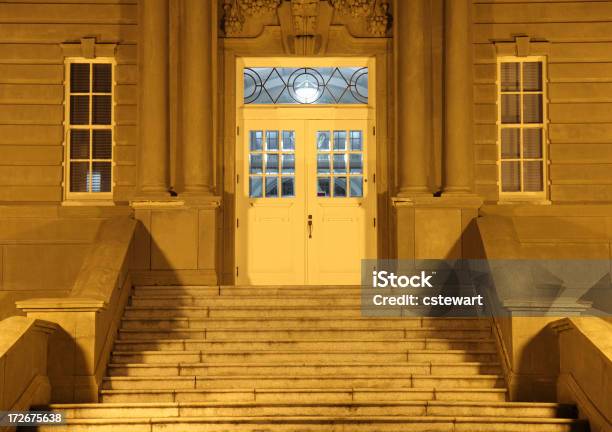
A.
pixel 309 226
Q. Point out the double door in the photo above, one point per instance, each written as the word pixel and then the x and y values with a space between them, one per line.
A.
pixel 305 201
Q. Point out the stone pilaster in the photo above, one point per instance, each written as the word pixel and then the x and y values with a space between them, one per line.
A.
pixel 153 151
pixel 197 96
pixel 458 104
pixel 413 135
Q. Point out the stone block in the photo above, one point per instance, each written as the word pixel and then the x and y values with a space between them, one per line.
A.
pixel 208 238
pixel 42 267
pixel 174 239
pixel 437 233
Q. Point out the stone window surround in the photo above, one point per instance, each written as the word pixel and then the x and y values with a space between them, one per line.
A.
pixel 87 49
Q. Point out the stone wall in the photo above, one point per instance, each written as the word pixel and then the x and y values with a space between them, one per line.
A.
pixel 32 92
pixel 579 50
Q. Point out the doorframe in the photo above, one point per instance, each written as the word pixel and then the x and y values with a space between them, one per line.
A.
pixel 268 45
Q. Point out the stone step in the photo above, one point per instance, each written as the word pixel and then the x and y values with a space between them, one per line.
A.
pixel 304 334
pixel 236 312
pixel 243 312
pixel 324 423
pixel 245 290
pixel 411 408
pixel 299 370
pixel 302 323
pixel 338 345
pixel 280 357
pixel 304 370
pixel 280 291
pixel 309 395
pixel 344 395
pixel 235 380
pixel 154 300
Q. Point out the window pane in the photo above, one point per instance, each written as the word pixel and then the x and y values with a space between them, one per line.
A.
pixel 511 108
pixel 255 187
pixel 532 108
pixel 323 164
pixel 288 140
pixel 510 77
pixel 340 187
pixel 533 176
pixel 532 143
pixel 102 144
pixel 510 143
pixel 256 140
pixel 79 144
pixel 511 176
pixel 357 187
pixel 288 186
pixel 271 187
pixel 356 163
pixel 79 77
pixel 272 164
pixel 101 177
pixel 79 110
pixel 532 76
pixel 340 164
pixel 339 140
pixel 79 176
pixel 101 110
pixel 288 163
pixel 323 140
pixel 323 187
pixel 256 164
pixel 102 78
pixel 272 140
pixel 356 141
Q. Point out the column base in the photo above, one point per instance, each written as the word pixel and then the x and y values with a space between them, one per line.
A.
pixel 457 191
pixel 152 193
pixel 414 191
pixel 196 191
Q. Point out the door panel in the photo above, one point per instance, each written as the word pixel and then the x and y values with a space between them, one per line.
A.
pixel 338 200
pixel 270 208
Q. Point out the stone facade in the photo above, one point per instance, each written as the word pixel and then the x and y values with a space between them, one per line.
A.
pixel 175 137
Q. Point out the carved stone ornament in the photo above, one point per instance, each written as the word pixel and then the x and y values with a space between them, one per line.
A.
pixel 237 11
pixel 376 12
pixel 304 16
pixel 305 13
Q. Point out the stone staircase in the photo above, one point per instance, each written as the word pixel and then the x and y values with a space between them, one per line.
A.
pixel 196 358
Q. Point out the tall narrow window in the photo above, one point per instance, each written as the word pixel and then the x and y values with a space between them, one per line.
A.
pixel 89 129
pixel 522 127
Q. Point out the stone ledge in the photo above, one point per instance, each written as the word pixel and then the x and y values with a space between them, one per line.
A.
pixel 71 304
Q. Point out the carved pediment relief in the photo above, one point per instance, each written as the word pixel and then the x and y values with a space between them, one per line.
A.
pixel 305 23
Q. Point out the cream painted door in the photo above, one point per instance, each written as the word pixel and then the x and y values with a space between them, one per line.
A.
pixel 270 232
pixel 340 207
pixel 305 207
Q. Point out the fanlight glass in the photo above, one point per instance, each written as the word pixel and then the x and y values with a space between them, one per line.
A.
pixel 323 85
